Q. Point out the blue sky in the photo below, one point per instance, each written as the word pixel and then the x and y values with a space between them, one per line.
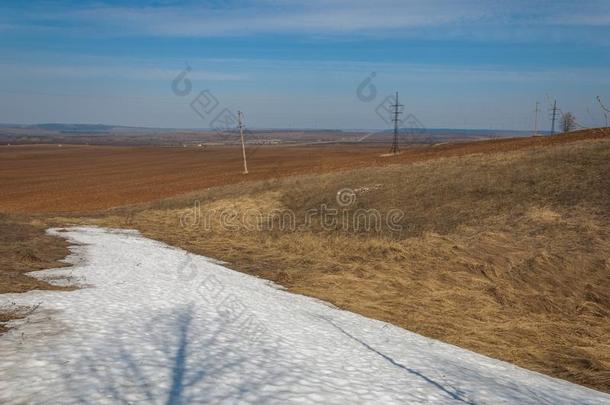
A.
pixel 288 64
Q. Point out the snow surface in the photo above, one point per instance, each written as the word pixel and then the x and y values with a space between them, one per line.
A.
pixel 155 324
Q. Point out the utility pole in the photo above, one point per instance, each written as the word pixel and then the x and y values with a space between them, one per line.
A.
pixel 397 111
pixel 240 116
pixel 554 117
pixel 606 110
pixel 536 119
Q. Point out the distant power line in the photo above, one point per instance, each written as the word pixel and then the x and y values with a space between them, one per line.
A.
pixel 397 111
pixel 553 117
pixel 606 110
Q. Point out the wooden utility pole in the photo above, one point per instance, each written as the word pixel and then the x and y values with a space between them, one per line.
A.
pixel 240 116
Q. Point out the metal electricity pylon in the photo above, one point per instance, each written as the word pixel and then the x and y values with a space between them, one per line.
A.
pixel 397 111
pixel 536 118
pixel 553 117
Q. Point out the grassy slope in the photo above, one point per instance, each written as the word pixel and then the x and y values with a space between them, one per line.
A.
pixel 504 253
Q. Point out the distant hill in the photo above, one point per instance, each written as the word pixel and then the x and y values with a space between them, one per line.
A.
pixel 78 128
pixel 104 134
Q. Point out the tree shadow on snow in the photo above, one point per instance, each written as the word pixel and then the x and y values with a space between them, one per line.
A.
pixel 176 362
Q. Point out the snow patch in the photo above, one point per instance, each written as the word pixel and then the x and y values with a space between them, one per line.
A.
pixel 160 325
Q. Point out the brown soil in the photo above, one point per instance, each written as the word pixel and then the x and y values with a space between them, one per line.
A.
pixel 48 178
pixel 504 251
pixel 506 254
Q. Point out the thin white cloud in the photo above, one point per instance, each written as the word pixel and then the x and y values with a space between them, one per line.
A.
pixel 272 16
pixel 255 69
pixel 111 72
pixel 173 21
pixel 431 19
pixel 589 20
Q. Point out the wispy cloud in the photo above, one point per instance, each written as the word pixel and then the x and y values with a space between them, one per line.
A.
pixel 111 72
pixel 458 54
pixel 216 70
pixel 332 17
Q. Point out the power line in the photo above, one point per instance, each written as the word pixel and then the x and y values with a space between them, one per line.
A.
pixel 562 115
pixel 606 110
pixel 602 104
pixel 536 118
pixel 241 134
pixel 397 111
pixel 554 117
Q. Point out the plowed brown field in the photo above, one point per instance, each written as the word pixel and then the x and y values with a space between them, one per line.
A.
pixel 49 178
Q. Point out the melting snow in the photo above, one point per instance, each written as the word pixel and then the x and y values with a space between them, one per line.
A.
pixel 155 324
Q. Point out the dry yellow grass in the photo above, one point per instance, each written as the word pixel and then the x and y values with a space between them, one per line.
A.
pixel 506 254
pixel 48 179
pixel 25 247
